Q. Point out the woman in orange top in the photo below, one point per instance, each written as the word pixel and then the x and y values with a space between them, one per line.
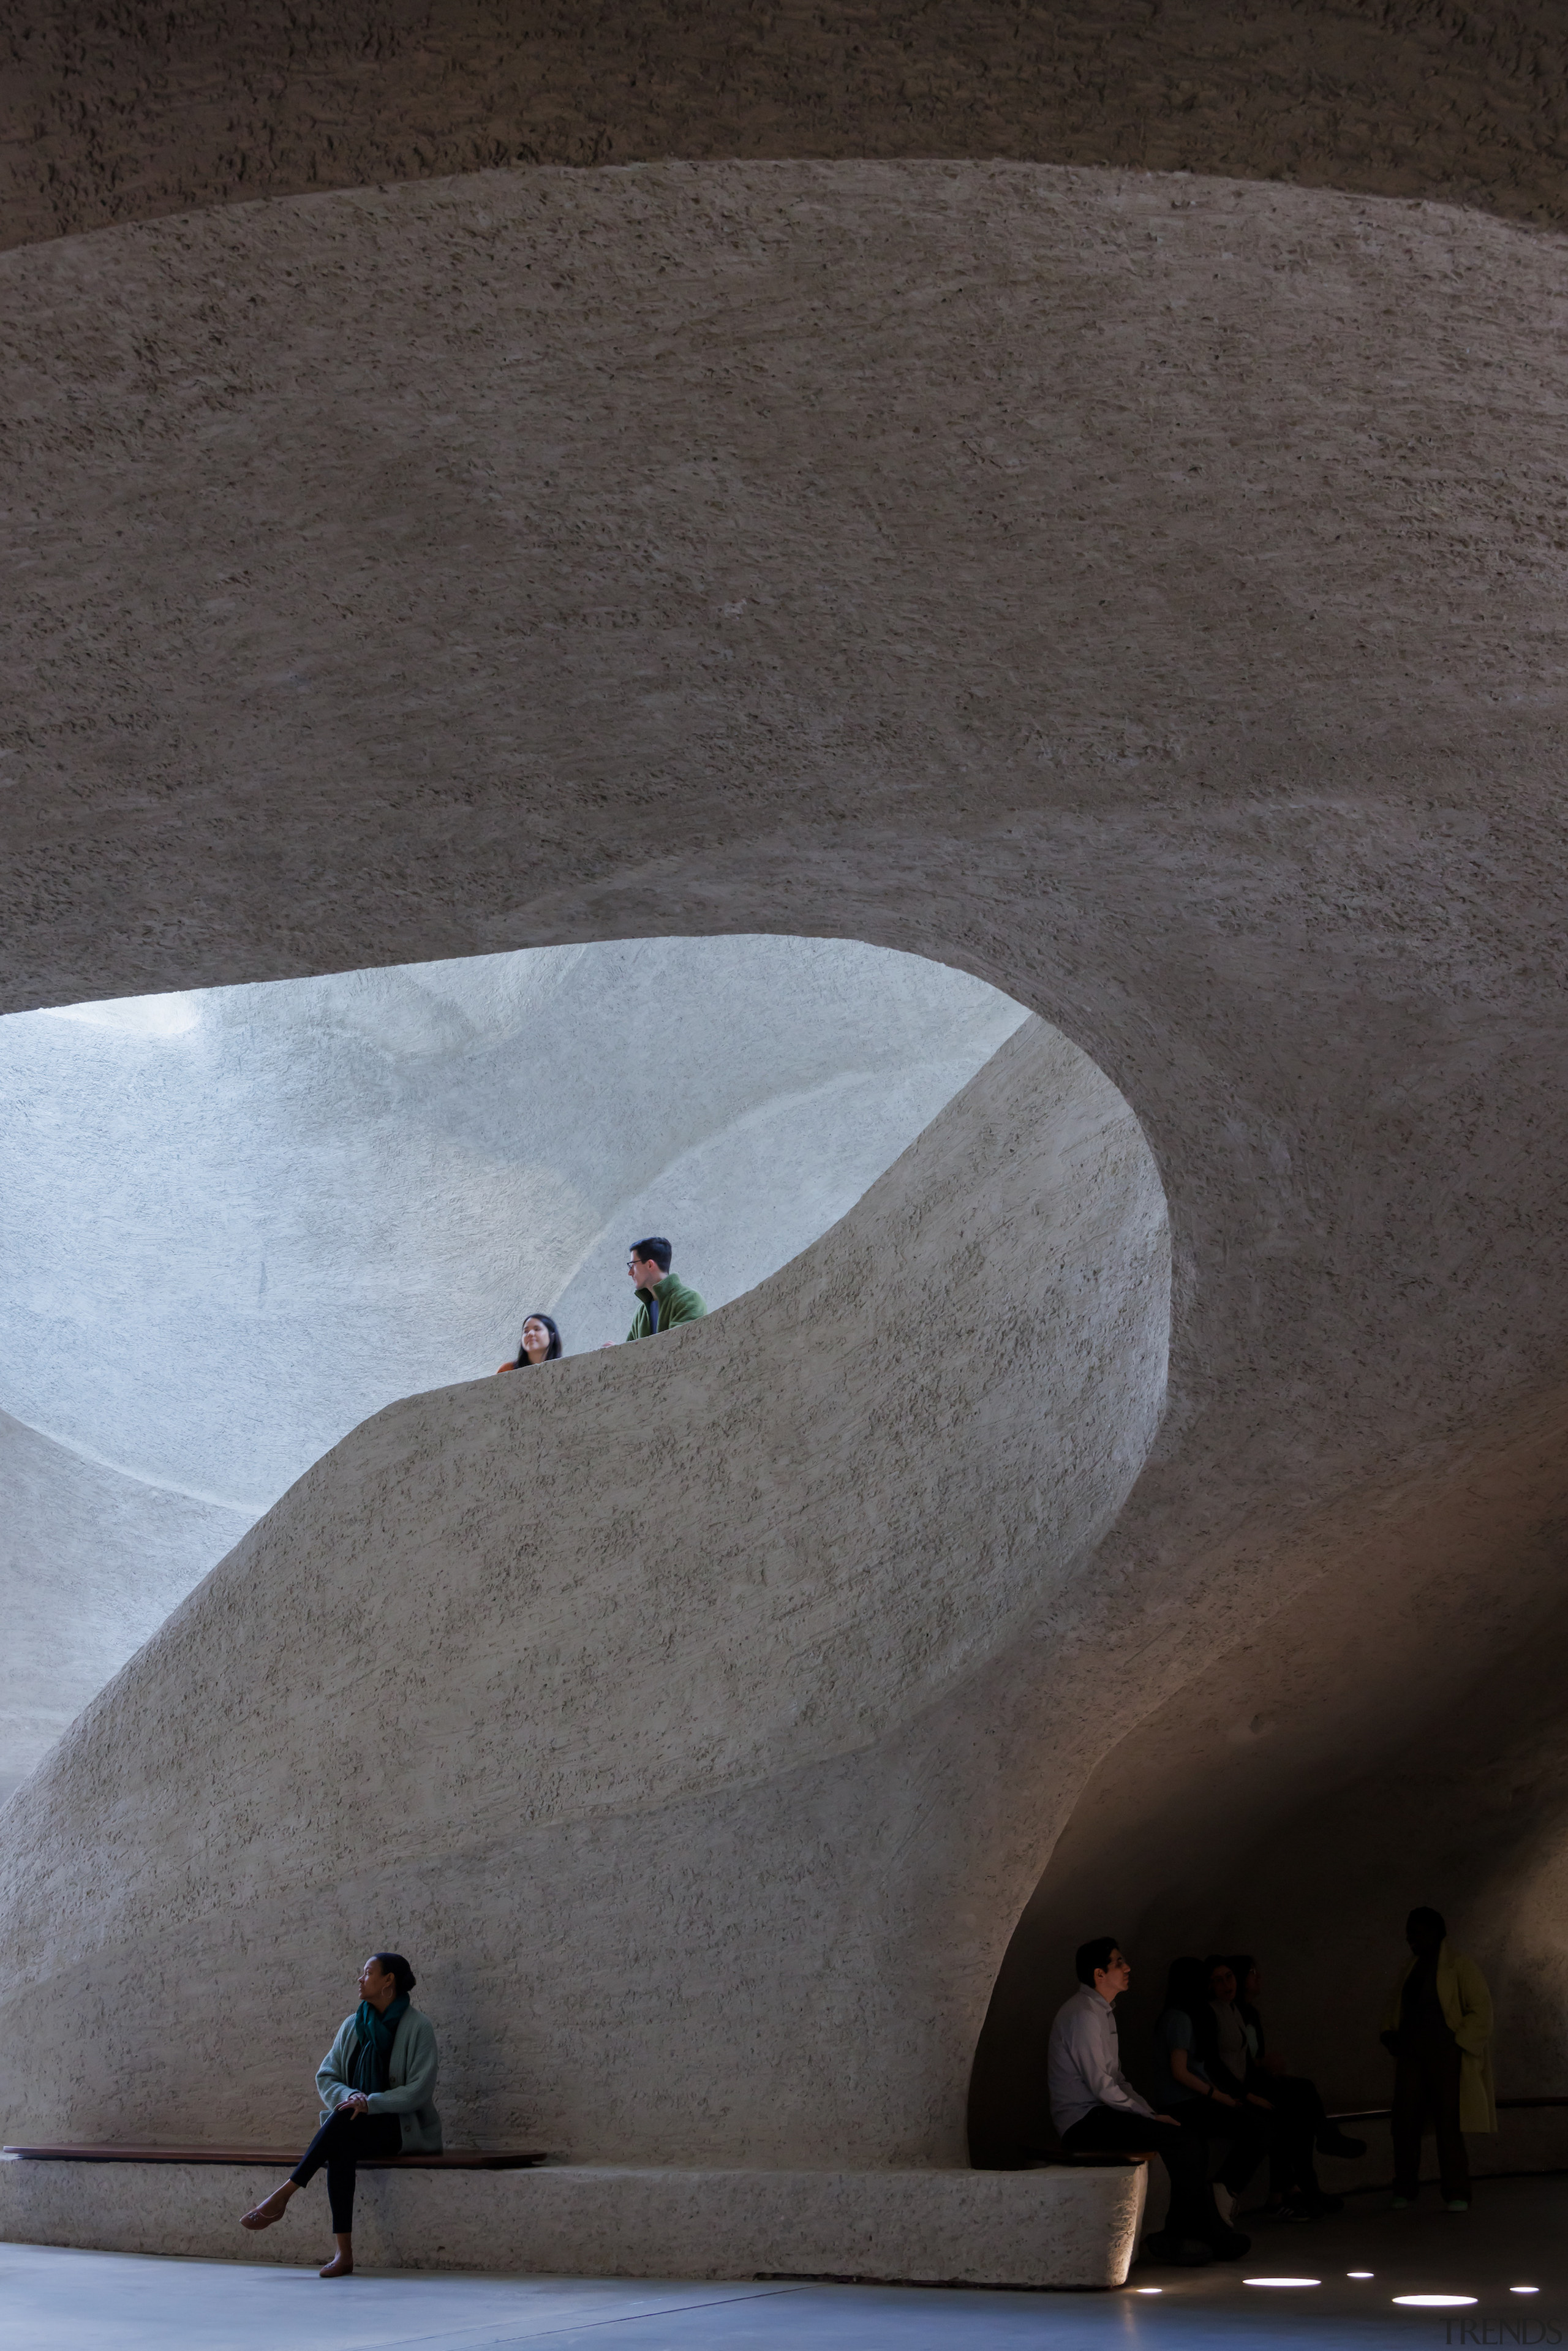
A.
pixel 540 1344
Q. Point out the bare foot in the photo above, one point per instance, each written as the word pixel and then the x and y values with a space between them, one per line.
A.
pixel 341 2266
pixel 270 2209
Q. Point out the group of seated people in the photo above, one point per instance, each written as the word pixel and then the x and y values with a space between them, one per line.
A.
pixel 1218 2082
pixel 663 1302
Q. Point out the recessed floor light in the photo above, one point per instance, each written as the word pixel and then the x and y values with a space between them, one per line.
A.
pixel 1159 2289
pixel 1360 2272
pixel 1524 2289
pixel 1281 2281
pixel 1433 2300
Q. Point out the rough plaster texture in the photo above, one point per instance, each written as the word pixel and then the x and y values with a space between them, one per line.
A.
pixel 1146 597
pixel 645 1680
pixel 234 1223
pixel 90 1564
pixel 118 112
pixel 859 522
pixel 1055 2227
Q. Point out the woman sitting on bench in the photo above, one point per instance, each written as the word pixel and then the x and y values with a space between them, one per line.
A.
pixel 377 2084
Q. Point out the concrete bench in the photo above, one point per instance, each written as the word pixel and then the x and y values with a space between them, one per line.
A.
pixel 1066 2225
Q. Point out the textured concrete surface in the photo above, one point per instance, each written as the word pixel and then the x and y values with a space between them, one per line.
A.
pixel 234 1223
pixel 90 1564
pixel 1146 596
pixel 646 1681
pixel 888 551
pixel 114 113
pixel 56 2300
pixel 1060 2228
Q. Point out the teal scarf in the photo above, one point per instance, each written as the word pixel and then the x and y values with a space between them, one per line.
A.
pixel 377 2032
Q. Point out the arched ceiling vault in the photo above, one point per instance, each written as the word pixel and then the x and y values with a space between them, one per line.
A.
pixel 553 555
pixel 127 113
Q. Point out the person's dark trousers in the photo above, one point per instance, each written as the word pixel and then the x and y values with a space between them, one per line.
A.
pixel 1299 2116
pixel 1426 2090
pixel 342 2142
pixel 1245 2130
pixel 1112 2130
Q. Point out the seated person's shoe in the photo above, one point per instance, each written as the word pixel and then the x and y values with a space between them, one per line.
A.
pixel 1191 2253
pixel 1230 2244
pixel 1456 2204
pixel 1331 2140
pixel 1180 2252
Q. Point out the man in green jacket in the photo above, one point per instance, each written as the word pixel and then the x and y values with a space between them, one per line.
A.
pixel 662 1300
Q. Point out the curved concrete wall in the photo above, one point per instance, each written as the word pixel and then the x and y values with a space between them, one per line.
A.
pixel 610 1697
pixel 1142 596
pixel 235 1223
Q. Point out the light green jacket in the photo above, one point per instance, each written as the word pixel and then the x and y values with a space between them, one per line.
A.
pixel 1467 2009
pixel 677 1304
pixel 411 2079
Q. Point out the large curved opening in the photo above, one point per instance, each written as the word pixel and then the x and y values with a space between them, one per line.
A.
pixel 713 1638
pixel 239 1221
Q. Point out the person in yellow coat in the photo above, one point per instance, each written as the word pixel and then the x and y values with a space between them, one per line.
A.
pixel 1437 2029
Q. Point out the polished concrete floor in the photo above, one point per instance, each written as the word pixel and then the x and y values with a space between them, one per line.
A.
pixel 52 2300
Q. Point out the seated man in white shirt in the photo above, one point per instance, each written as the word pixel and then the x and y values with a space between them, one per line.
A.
pixel 1096 2109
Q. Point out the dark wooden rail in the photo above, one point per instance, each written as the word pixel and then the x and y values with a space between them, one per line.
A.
pixel 1049 2150
pixel 1505 2105
pixel 284 2158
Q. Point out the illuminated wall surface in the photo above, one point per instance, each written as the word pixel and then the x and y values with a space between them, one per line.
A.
pixel 234 1223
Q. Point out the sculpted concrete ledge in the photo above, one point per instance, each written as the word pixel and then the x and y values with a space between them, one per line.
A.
pixel 1047 2228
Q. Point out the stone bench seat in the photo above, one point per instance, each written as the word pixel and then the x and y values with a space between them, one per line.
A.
pixel 452 2159
pixel 1064 2225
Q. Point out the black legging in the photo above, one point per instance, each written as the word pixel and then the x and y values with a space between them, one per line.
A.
pixel 1247 2128
pixel 343 2141
pixel 1117 2130
pixel 1299 2117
